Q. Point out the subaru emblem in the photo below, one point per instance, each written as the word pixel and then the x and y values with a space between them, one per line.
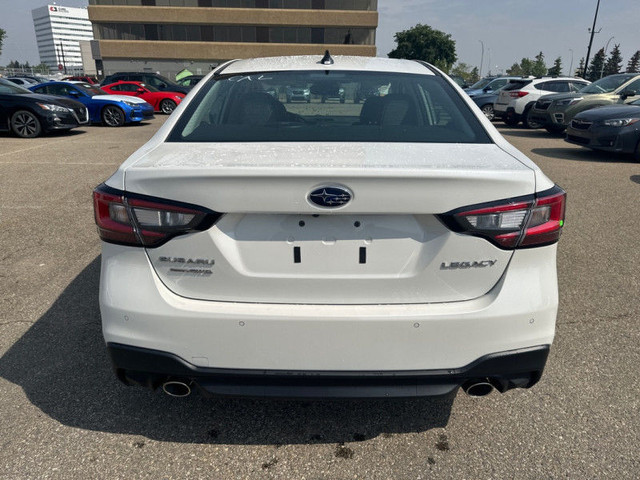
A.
pixel 332 196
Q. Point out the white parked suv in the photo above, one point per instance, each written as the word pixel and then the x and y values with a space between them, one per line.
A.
pixel 398 246
pixel 516 99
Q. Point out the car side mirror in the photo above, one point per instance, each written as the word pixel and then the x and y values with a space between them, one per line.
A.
pixel 162 86
pixel 74 93
pixel 628 93
pixel 140 90
pixel 487 89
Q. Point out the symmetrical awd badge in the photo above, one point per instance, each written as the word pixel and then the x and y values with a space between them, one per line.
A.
pixel 330 196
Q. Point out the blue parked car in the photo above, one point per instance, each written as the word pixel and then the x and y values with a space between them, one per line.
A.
pixel 485 102
pixel 489 85
pixel 110 110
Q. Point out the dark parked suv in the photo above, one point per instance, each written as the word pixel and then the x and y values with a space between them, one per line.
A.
pixel 155 80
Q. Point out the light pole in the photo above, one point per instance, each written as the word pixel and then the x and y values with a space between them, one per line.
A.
pixel 605 56
pixel 481 58
pixel 64 64
pixel 571 64
pixel 593 32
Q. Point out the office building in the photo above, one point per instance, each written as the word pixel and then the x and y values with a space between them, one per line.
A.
pixel 169 35
pixel 58 31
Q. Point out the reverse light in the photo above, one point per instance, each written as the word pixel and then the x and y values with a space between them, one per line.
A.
pixel 529 221
pixel 620 122
pixel 138 220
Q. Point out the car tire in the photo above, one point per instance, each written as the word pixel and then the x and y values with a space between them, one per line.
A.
pixel 167 106
pixel 488 111
pixel 342 100
pixel 528 122
pixel 555 129
pixel 25 124
pixel 113 116
pixel 511 121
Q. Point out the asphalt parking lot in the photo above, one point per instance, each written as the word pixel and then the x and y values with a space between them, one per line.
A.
pixel 64 415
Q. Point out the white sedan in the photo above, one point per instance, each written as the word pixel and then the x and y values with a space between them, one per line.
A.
pixel 393 245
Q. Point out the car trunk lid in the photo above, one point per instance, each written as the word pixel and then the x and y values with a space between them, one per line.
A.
pixel 272 245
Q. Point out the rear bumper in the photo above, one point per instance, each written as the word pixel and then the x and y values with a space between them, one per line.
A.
pixel 500 109
pixel 151 368
pixel 508 114
pixel 138 310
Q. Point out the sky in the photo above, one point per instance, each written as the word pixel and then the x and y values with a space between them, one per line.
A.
pixel 509 29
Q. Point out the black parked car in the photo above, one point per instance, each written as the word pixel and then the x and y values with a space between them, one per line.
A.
pixel 35 78
pixel 149 78
pixel 615 128
pixel 29 114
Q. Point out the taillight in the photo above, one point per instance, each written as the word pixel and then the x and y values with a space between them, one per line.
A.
pixel 530 221
pixel 139 220
pixel 518 94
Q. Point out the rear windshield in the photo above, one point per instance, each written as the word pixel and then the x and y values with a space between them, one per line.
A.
pixel 516 85
pixel 332 106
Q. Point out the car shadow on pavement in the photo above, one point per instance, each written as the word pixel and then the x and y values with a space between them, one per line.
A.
pixel 635 178
pixel 51 134
pixel 62 366
pixel 524 133
pixel 582 155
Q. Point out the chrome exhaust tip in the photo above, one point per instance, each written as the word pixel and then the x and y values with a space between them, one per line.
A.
pixel 478 389
pixel 176 388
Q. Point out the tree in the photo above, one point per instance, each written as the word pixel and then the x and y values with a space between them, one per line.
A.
pixel 597 63
pixel 425 43
pixel 580 69
pixel 515 70
pixel 614 62
pixel 539 69
pixel 527 66
pixel 3 34
pixel 524 68
pixel 42 68
pixel 474 76
pixel 556 70
pixel 634 63
pixel 465 71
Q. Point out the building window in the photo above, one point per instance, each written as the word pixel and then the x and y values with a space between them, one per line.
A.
pixel 289 4
pixel 233 33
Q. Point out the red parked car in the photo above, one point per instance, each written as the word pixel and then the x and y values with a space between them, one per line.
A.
pixel 164 102
pixel 82 78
